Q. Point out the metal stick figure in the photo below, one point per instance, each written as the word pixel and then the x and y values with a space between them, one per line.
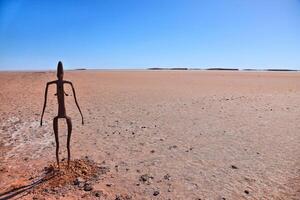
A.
pixel 60 93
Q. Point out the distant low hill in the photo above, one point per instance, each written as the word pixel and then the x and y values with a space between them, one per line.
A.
pixel 173 68
pixel 281 70
pixel 81 69
pixel 224 69
pixel 221 69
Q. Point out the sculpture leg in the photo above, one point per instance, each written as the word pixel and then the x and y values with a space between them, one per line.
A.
pixel 69 123
pixel 55 128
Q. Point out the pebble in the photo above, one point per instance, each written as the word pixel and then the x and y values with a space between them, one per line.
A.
pixel 173 147
pixel 234 167
pixel 145 178
pixel 38 198
pixel 49 169
pixel 98 193
pixel 79 181
pixel 155 193
pixel 167 177
pixel 123 197
pixel 87 187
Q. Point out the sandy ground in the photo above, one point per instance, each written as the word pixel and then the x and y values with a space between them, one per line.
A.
pixel 162 134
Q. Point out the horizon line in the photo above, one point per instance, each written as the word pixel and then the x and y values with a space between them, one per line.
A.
pixel 158 69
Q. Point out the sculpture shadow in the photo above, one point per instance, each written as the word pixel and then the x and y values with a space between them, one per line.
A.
pixel 22 189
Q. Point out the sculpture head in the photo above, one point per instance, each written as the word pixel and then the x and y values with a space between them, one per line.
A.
pixel 60 71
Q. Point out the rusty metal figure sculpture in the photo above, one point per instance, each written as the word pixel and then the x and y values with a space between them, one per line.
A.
pixel 60 93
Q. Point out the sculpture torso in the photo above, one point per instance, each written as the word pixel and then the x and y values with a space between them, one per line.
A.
pixel 60 98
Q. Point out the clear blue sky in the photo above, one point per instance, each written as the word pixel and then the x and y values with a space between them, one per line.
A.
pixel 35 34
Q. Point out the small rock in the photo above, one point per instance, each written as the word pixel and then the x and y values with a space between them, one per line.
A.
pixel 79 181
pixel 38 198
pixel 246 191
pixel 87 187
pixel 152 151
pixel 108 184
pixel 155 193
pixel 123 197
pixel 98 193
pixel 145 178
pixel 76 182
pixel 56 189
pixel 84 172
pixel 167 177
pixel 173 147
pixel 234 167
pixel 49 169
pixel 103 169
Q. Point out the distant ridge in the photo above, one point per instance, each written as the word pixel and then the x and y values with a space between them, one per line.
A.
pixel 222 69
pixel 282 70
pixel 80 69
pixel 227 69
pixel 185 68
pixel 173 68
pixel 253 70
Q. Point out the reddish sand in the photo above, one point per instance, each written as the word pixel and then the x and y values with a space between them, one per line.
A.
pixel 162 134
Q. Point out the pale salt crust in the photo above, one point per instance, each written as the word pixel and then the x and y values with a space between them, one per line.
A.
pixel 26 139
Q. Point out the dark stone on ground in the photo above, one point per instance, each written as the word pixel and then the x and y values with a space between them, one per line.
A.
pixel 234 167
pixel 87 187
pixel 167 177
pixel 155 193
pixel 123 197
pixel 98 193
pixel 79 181
pixel 49 169
pixel 145 178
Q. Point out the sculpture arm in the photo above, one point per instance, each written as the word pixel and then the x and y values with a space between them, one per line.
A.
pixel 45 100
pixel 74 93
